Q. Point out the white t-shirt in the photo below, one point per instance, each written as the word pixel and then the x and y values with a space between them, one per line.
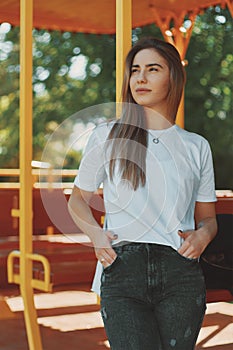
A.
pixel 179 172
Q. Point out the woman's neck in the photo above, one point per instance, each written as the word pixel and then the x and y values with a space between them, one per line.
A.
pixel 155 120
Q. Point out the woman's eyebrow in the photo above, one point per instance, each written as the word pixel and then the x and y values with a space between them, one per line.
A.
pixel 154 64
pixel 147 65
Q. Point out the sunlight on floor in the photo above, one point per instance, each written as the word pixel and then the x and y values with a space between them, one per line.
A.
pixel 217 327
pixel 54 300
pixel 64 322
pixel 68 323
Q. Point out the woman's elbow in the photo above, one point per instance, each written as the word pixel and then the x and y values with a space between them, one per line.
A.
pixel 72 202
pixel 71 206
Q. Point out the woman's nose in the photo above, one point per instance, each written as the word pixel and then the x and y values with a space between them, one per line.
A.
pixel 141 77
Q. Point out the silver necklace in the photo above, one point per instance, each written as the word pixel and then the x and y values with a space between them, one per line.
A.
pixel 156 139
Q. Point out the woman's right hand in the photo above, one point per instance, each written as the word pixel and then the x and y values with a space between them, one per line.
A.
pixel 81 213
pixel 103 248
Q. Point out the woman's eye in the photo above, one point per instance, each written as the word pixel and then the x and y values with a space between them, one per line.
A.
pixel 134 71
pixel 153 69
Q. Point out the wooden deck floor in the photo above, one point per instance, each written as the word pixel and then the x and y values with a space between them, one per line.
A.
pixel 69 319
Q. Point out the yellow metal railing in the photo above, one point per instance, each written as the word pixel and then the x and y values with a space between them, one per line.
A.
pixel 37 174
pixel 40 172
pixel 41 178
pixel 43 285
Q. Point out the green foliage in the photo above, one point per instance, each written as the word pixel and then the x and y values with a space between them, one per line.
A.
pixel 73 71
pixel 57 95
pixel 9 100
pixel 208 97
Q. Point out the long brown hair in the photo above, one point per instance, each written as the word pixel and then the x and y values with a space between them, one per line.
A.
pixel 129 133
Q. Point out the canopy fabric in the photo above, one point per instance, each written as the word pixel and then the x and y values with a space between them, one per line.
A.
pixel 98 17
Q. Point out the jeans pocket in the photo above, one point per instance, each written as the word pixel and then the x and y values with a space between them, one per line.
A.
pixel 184 258
pixel 112 266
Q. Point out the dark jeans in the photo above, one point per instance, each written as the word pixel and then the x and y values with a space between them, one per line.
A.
pixel 152 298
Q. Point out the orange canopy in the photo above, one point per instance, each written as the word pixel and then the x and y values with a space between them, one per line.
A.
pixel 98 16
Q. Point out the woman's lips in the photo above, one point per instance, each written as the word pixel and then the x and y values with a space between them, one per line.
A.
pixel 142 90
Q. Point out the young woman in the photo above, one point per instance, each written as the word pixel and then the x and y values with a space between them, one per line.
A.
pixel 159 195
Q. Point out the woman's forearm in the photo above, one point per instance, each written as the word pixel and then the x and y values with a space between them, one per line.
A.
pixel 207 228
pixel 82 215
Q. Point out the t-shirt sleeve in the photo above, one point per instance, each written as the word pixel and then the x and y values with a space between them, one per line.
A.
pixel 91 172
pixel 206 190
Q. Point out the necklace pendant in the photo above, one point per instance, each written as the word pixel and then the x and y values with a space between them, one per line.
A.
pixel 156 140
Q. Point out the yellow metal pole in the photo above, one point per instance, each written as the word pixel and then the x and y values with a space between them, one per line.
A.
pixel 181 41
pixel 179 37
pixel 180 113
pixel 123 40
pixel 26 15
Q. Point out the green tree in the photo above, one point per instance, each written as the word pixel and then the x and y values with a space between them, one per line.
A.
pixel 209 98
pixel 9 98
pixel 60 88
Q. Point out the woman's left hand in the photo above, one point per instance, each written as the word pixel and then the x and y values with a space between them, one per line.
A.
pixel 193 244
pixel 195 241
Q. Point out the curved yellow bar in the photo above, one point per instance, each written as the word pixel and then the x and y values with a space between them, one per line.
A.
pixel 12 277
pixel 43 285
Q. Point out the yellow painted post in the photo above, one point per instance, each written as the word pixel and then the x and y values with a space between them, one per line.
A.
pixel 26 15
pixel 181 41
pixel 179 37
pixel 123 40
pixel 180 113
pixel 178 41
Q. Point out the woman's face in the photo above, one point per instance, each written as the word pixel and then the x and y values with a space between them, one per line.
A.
pixel 149 80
